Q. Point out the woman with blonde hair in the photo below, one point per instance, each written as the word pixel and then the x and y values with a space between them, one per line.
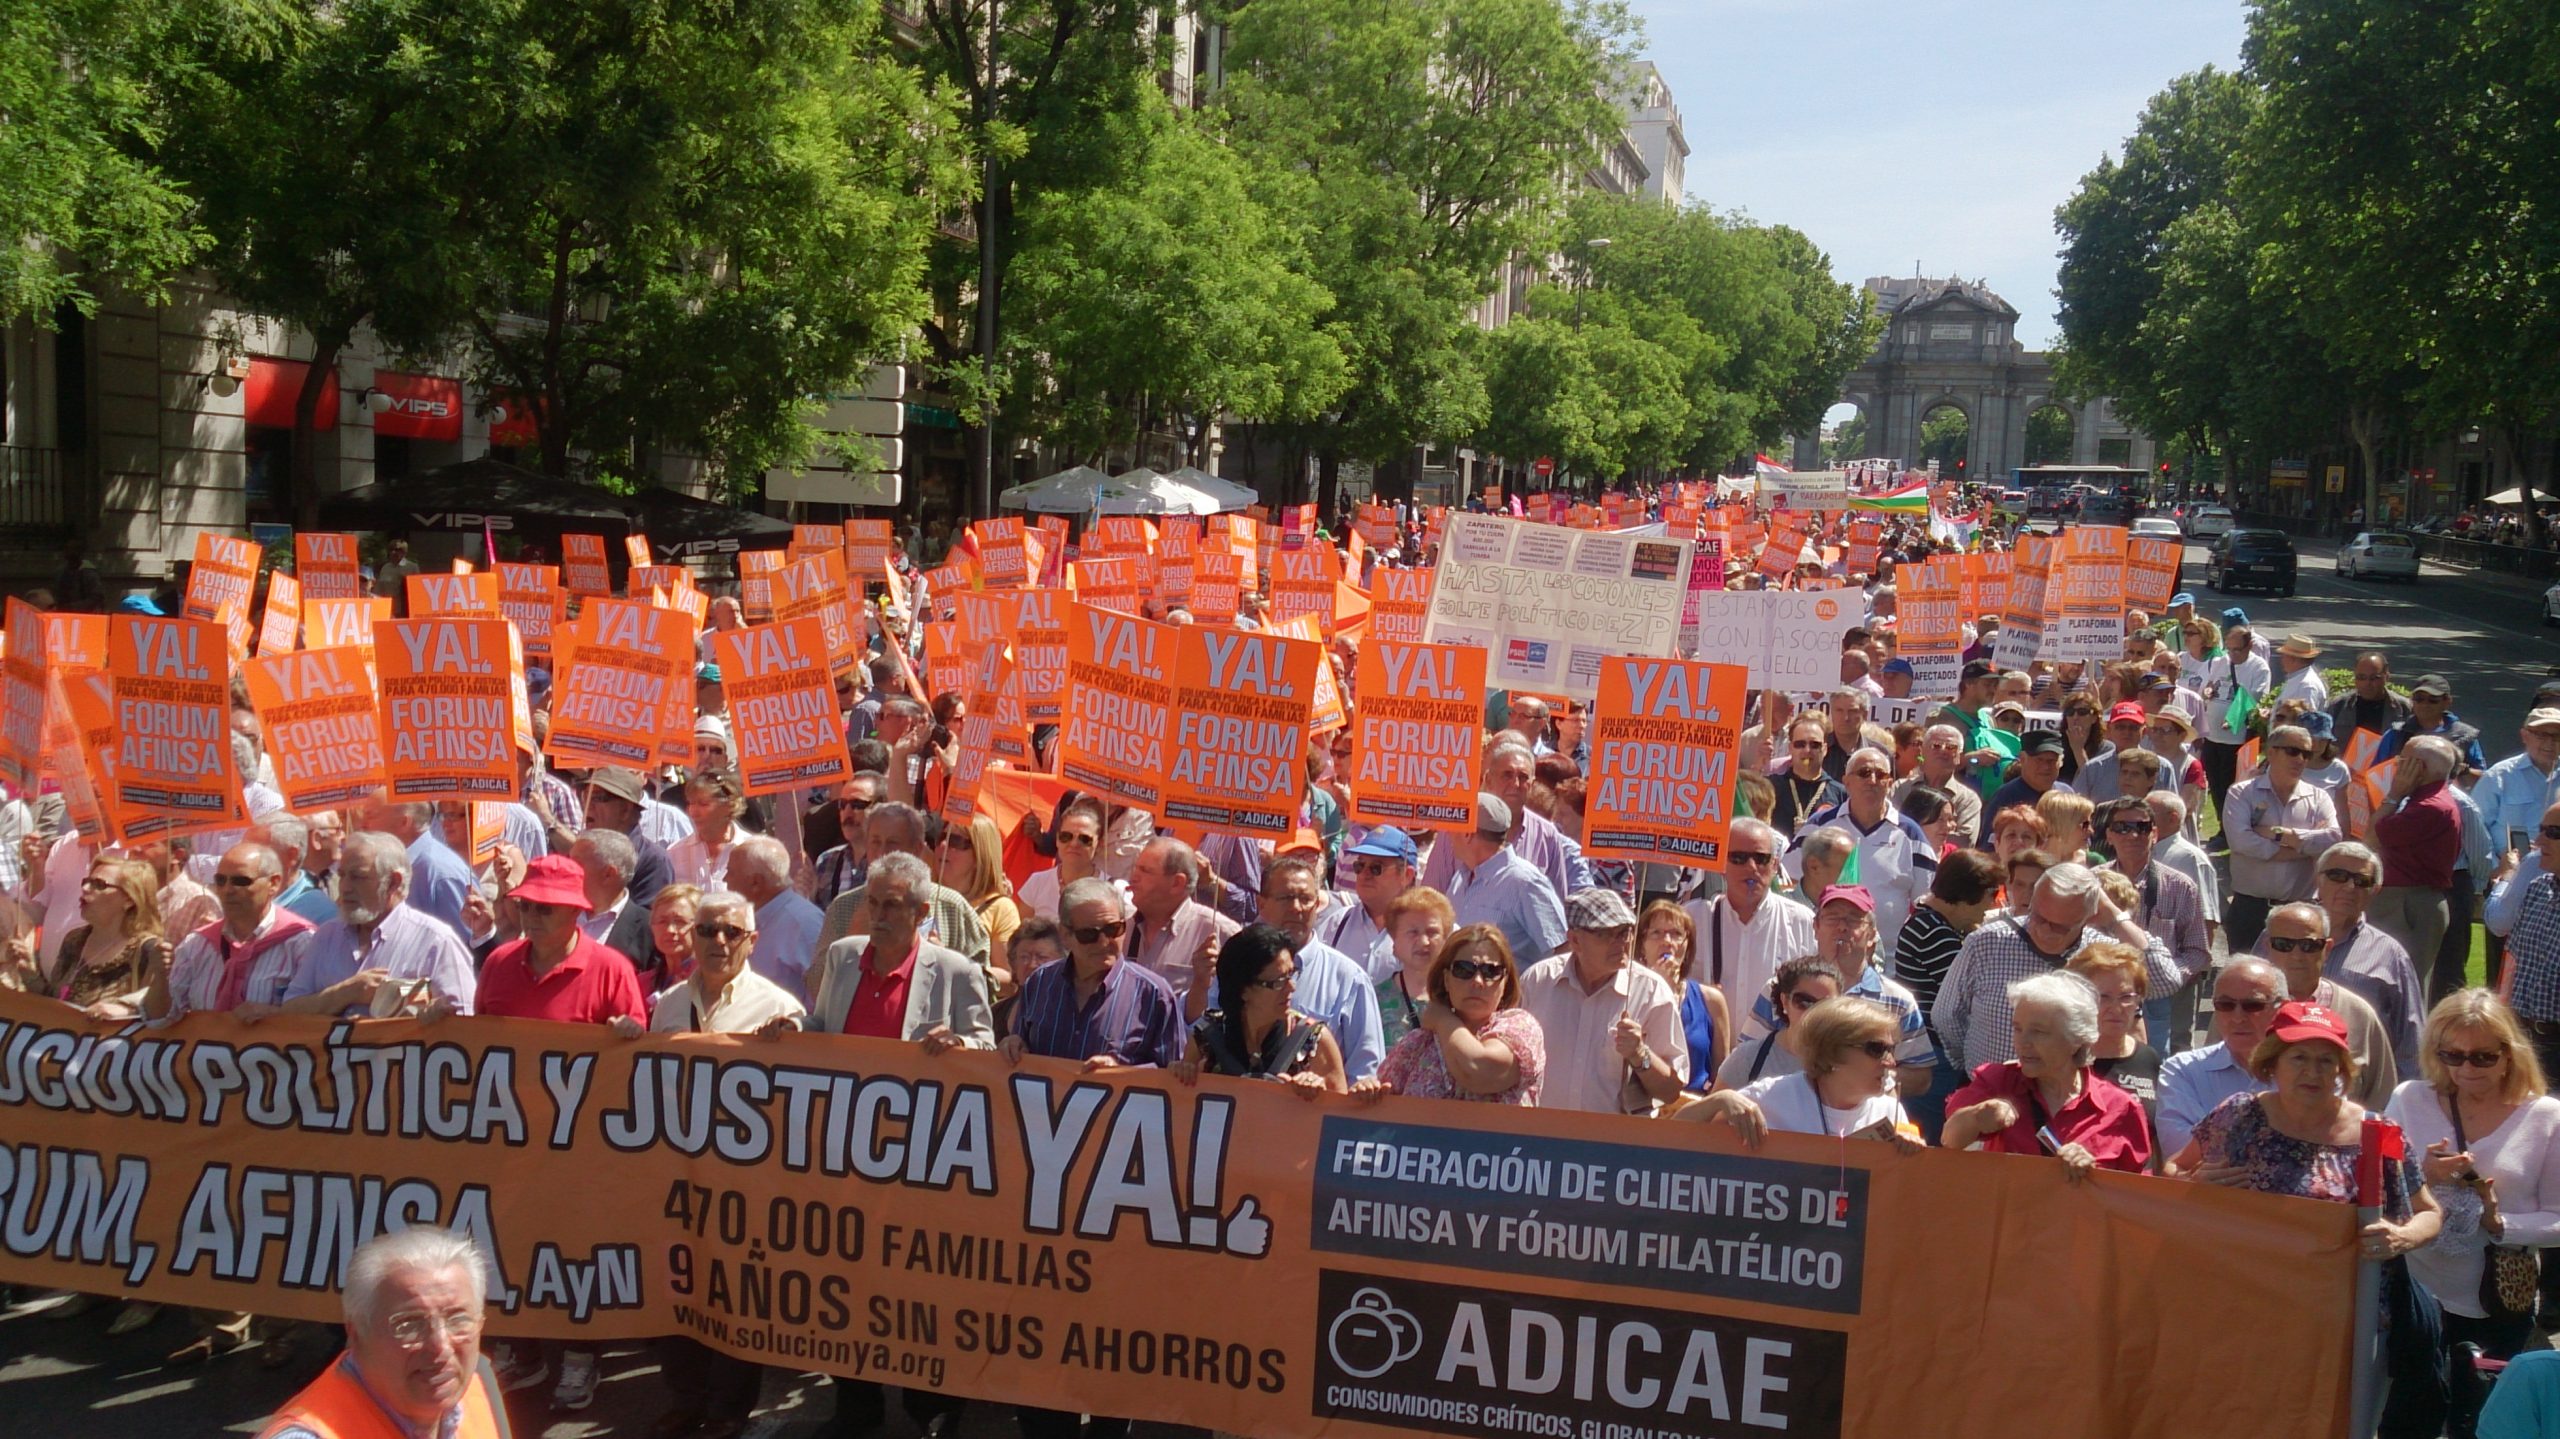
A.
pixel 1846 1045
pixel 2488 1132
pixel 2067 827
pixel 714 802
pixel 972 865
pixel 107 964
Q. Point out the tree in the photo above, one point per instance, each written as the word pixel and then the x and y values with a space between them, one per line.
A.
pixel 1945 433
pixel 2049 435
pixel 1848 442
pixel 81 204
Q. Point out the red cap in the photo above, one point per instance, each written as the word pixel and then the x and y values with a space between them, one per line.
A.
pixel 2300 1021
pixel 1850 894
pixel 553 879
pixel 2127 712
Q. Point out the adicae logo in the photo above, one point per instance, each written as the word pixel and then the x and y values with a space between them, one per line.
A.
pixel 1826 609
pixel 1372 1335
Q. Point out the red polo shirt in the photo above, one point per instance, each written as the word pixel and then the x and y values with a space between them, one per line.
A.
pixel 879 1007
pixel 2103 1120
pixel 589 986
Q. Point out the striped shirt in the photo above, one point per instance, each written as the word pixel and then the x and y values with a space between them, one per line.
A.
pixel 1972 1010
pixel 283 938
pixel 2533 943
pixel 405 944
pixel 1133 1016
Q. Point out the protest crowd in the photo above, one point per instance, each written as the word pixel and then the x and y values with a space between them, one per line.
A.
pixel 1963 837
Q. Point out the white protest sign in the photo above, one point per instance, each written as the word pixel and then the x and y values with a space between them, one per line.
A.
pixel 1547 603
pixel 1789 639
pixel 1807 490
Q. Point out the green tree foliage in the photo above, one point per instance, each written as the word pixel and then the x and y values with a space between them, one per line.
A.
pixel 80 204
pixel 2049 433
pixel 1848 441
pixel 1945 433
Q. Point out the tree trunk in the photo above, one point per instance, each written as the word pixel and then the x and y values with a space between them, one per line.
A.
pixel 1328 481
pixel 2365 428
pixel 302 479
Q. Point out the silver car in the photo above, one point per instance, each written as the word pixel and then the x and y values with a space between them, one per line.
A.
pixel 2211 522
pixel 2379 554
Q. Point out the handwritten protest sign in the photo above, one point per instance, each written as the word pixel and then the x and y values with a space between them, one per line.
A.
pixel 1119 711
pixel 322 724
pixel 1242 703
pixel 170 680
pixel 782 706
pixel 327 566
pixel 1548 604
pixel 1663 734
pixel 1785 639
pixel 449 690
pixel 1417 734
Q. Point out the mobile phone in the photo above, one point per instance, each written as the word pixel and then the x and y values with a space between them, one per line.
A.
pixel 2044 1136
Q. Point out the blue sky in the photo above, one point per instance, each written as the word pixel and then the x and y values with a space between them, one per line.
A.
pixel 1937 131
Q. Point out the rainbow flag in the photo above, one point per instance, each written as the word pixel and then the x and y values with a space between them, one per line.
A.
pixel 1911 500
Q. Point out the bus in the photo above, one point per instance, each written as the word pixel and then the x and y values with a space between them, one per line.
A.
pixel 2113 494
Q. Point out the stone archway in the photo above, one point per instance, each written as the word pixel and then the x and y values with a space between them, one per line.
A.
pixel 1948 436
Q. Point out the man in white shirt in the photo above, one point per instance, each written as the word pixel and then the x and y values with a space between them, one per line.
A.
pixel 787 924
pixel 1613 1036
pixel 2245 996
pixel 1895 860
pixel 2299 657
pixel 1745 933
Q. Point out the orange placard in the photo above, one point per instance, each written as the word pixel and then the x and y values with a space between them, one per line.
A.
pixel 635 548
pixel 1302 584
pixel 450 691
pixel 281 630
pixel 583 570
pixel 22 696
pixel 1377 525
pixel 782 705
pixel 1931 625
pixel 756 569
pixel 328 566
pixel 814 588
pixel 807 540
pixel 1114 583
pixel 530 598
pixel 992 731
pixel 1040 654
pixel 75 642
pixel 1112 535
pixel 322 724
pixel 80 741
pixel 221 582
pixel 1003 560
pixel 1217 585
pixel 1326 713
pixel 1119 709
pixel 1418 736
pixel 623 692
pixel 327 624
pixel 2151 570
pixel 946 583
pixel 1177 559
pixel 1866 545
pixel 1241 709
pixel 454 594
pixel 2084 617
pixel 170 683
pixel 946 665
pixel 1663 734
pixel 1784 549
pixel 2022 622
pixel 1400 604
pixel 869 547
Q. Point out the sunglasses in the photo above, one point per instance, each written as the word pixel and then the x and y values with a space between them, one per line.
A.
pixel 1876 1048
pixel 725 933
pixel 1109 929
pixel 2129 826
pixel 236 881
pixel 94 885
pixel 2295 750
pixel 2550 831
pixel 1276 983
pixel 1752 857
pixel 2474 1058
pixel 2242 1006
pixel 1080 841
pixel 2282 945
pixel 857 806
pixel 1486 969
pixel 2349 876
pixel 1372 868
pixel 1807 744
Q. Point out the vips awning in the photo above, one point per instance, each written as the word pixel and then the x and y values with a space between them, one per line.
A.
pixel 680 527
pixel 418 407
pixel 267 399
pixel 510 499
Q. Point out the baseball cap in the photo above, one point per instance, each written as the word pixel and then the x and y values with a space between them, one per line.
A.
pixel 1978 670
pixel 2182 597
pixel 1388 842
pixel 138 605
pixel 621 783
pixel 2009 707
pixel 2318 725
pixel 1898 666
pixel 2127 712
pixel 1597 909
pixel 1492 815
pixel 2235 616
pixel 1857 895
pixel 2299 1020
pixel 2543 718
pixel 2041 741
pixel 2433 685
pixel 706 673
pixel 2158 681
pixel 552 879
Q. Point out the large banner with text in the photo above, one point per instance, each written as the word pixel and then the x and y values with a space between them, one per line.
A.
pixel 1229 1256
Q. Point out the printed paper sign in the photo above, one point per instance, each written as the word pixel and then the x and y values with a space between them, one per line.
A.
pixel 1418 734
pixel 322 724
pixel 1662 760
pixel 1242 704
pixel 327 624
pixel 617 697
pixel 1400 605
pixel 1040 654
pixel 1932 629
pixel 782 706
pixel 2151 571
pixel 756 569
pixel 2022 623
pixel 869 546
pixel 2086 621
pixel 1119 711
pixel 281 630
pixel 582 566
pixel 531 599
pixel 457 594
pixel 450 685
pixel 22 696
pixel 327 566
pixel 1549 603
pixel 814 588
pixel 170 681
pixel 220 583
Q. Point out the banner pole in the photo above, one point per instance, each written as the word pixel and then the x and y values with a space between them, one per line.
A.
pixel 2364 1403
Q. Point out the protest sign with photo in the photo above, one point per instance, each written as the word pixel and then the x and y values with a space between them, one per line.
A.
pixel 1241 709
pixel 451 689
pixel 1663 734
pixel 1417 743
pixel 1547 603
pixel 170 682
pixel 1786 639
pixel 328 567
pixel 1805 490
pixel 321 723
pixel 782 706
pixel 1119 710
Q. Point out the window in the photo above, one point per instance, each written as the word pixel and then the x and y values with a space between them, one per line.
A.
pixel 270 471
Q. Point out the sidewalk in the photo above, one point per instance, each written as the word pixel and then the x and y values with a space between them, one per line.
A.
pixel 2326 552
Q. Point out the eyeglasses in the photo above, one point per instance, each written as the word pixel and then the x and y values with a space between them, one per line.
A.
pixel 1752 857
pixel 1277 982
pixel 2550 831
pixel 1372 868
pixel 236 881
pixel 2294 750
pixel 2222 1005
pixel 1876 1048
pixel 1807 744
pixel 1108 929
pixel 93 884
pixel 2129 826
pixel 415 1329
pixel 2354 877
pixel 856 806
pixel 1486 969
pixel 1080 841
pixel 2474 1058
pixel 725 933
pixel 2282 945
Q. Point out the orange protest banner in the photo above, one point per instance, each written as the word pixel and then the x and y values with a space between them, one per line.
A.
pixel 1003 562
pixel 624 694
pixel 1177 559
pixel 1241 709
pixel 1119 708
pixel 782 706
pixel 281 630
pixel 1113 583
pixel 635 548
pixel 220 584
pixel 2085 616
pixel 1400 604
pixel 1418 737
pixel 327 566
pixel 1217 585
pixel 946 664
pixel 869 547
pixel 327 624
pixel 450 691
pixel 1932 625
pixel 1111 535
pixel 2022 623
pixel 814 588
pixel 2151 570
pixel 530 598
pixel 170 681
pixel 22 696
pixel 322 724
pixel 582 566
pixel 756 569
pixel 1663 734
pixel 807 540
pixel 1040 654
pixel 455 594
pixel 1326 712
pixel 1302 584
pixel 1784 548
pixel 1338 1288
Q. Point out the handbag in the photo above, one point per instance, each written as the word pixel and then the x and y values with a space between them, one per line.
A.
pixel 2510 1275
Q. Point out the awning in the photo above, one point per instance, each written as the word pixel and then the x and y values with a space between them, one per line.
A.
pixel 423 407
pixel 510 499
pixel 267 400
pixel 680 526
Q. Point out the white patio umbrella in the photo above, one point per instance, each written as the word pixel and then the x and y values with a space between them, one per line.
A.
pixel 2516 497
pixel 1085 490
pixel 1228 494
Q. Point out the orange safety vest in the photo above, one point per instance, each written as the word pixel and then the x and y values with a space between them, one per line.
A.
pixel 335 1406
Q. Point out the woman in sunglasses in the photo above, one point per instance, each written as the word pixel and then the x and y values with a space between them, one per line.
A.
pixel 1473 1040
pixel 1847 1048
pixel 2490 1135
pixel 1256 1032
pixel 1075 837
pixel 2083 738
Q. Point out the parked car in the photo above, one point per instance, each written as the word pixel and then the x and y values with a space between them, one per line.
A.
pixel 2156 527
pixel 2250 559
pixel 2551 605
pixel 2106 507
pixel 2387 554
pixel 2012 503
pixel 2211 522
